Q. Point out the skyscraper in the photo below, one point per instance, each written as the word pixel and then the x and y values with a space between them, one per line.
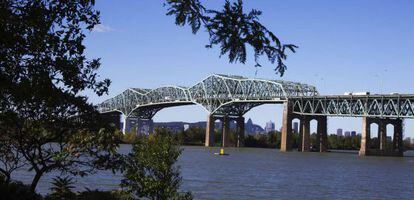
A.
pixel 353 133
pixel 347 133
pixel 339 132
pixel 295 127
pixel 270 126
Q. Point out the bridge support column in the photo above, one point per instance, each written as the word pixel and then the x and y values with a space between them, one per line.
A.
pixel 225 128
pixel 305 133
pixel 145 126
pixel 209 141
pixel 365 137
pixel 138 127
pixel 382 135
pixel 240 131
pixel 301 124
pixel 286 143
pixel 383 150
pixel 322 133
pixel 398 137
pixel 124 125
pixel 151 126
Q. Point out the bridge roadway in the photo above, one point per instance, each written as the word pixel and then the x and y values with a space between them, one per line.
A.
pixel 230 97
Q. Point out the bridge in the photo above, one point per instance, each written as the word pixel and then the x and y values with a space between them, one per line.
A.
pixel 230 97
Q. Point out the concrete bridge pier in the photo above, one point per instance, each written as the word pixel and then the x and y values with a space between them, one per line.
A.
pixel 384 149
pixel 365 137
pixel 240 131
pixel 305 134
pixel 138 127
pixel 125 125
pixel 286 137
pixel 150 124
pixel 209 140
pixel 397 143
pixel 225 131
pixel 382 135
pixel 322 134
pixel 225 120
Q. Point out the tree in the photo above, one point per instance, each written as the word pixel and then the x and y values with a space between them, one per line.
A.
pixel 150 169
pixel 43 70
pixel 10 158
pixel 232 29
pixel 407 143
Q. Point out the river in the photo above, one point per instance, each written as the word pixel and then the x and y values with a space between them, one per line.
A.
pixel 254 173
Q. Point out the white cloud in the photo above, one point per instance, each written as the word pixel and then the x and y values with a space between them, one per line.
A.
pixel 102 28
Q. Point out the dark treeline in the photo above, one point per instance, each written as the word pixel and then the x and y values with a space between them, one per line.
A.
pixel 195 136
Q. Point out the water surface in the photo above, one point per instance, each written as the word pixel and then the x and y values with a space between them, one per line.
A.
pixel 253 173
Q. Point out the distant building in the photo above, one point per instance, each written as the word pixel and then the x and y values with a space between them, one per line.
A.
pixel 412 142
pixel 296 127
pixel 353 133
pixel 270 126
pixel 175 127
pixel 347 133
pixel 339 132
pixel 186 127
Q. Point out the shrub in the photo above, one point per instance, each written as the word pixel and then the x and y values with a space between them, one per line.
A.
pixel 62 189
pixel 104 195
pixel 17 191
pixel 150 170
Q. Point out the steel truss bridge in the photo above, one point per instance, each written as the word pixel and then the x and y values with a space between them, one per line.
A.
pixel 218 94
pixel 383 106
pixel 235 95
pixel 228 97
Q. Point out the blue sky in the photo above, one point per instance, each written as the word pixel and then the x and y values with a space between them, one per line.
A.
pixel 343 46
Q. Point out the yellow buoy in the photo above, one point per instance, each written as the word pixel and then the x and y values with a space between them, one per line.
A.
pixel 221 151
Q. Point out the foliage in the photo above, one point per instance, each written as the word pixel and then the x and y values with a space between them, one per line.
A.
pixel 43 71
pixel 272 140
pixel 17 191
pixel 62 188
pixel 269 140
pixel 344 143
pixel 150 169
pixel 191 136
pixel 232 29
pixel 129 138
pixel 407 143
pixel 104 195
